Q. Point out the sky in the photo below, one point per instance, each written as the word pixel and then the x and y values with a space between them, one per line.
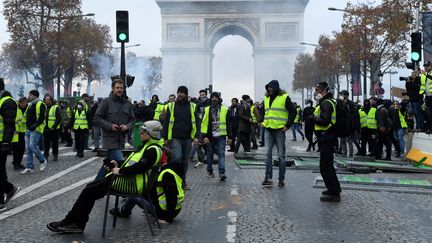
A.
pixel 145 29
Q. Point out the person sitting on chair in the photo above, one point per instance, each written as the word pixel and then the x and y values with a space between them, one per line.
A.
pixel 137 165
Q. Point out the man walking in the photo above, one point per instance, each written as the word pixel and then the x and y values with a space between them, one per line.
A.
pixel 35 127
pixel 180 128
pixel 278 118
pixel 297 126
pixel 52 127
pixel 215 127
pixel 115 117
pixel 233 111
pixel 8 109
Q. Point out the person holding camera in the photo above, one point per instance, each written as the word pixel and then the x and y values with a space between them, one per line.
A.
pixel 412 87
pixel 426 89
pixel 135 167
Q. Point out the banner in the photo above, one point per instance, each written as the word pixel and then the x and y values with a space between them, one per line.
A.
pixel 355 76
pixel 427 36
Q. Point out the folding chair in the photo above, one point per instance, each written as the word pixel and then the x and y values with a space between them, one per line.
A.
pixel 112 192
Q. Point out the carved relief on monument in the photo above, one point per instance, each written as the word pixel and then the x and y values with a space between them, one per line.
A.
pixel 252 23
pixel 183 32
pixel 282 31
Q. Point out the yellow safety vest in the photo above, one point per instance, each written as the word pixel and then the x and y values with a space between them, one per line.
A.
pixel 276 115
pixel 297 118
pixel 172 119
pixel 41 127
pixel 69 113
pixel 254 118
pixel 21 119
pixel 402 120
pixel 161 193
pixel 317 112
pixel 158 111
pixel 80 120
pixel 423 79
pixel 52 117
pixel 363 118
pixel 135 184
pixel 15 136
pixel 222 120
pixel 371 120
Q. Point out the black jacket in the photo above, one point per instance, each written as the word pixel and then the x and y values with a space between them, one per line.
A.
pixel 32 122
pixel 182 125
pixel 143 113
pixel 413 89
pixel 8 112
pixel 382 117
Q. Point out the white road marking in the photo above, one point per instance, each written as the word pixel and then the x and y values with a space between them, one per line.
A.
pixel 44 198
pixel 231 230
pixel 60 149
pixel 234 190
pixel 53 177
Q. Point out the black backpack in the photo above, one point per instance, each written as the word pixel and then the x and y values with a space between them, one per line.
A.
pixel 343 120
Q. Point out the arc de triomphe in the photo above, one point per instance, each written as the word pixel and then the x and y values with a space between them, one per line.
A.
pixel 191 29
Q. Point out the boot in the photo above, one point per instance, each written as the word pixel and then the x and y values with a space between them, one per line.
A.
pixel 308 148
pixel 55 157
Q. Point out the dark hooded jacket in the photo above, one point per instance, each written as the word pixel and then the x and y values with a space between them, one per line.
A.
pixel 289 106
pixel 8 112
pixel 114 110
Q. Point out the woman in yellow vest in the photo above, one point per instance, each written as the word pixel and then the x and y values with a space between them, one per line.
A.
pixel 20 125
pixel 137 166
pixel 80 127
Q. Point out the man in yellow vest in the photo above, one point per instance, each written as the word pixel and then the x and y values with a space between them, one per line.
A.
pixel 157 106
pixel 52 127
pixel 80 126
pixel 19 147
pixel 279 115
pixel 325 119
pixel 181 127
pixel 364 131
pixel 136 168
pixel 426 89
pixel 8 109
pixel 399 127
pixel 297 126
pixel 215 127
pixel 372 126
pixel 35 126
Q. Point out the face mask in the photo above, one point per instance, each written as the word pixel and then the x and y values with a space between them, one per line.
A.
pixel 341 97
pixel 318 96
pixel 309 105
pixel 214 102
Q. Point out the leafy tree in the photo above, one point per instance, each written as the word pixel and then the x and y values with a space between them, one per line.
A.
pixel 305 73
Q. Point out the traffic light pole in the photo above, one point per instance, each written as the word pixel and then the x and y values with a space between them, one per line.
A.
pixel 123 63
pixel 417 28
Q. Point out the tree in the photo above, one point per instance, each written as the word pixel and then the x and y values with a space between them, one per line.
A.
pixel 305 73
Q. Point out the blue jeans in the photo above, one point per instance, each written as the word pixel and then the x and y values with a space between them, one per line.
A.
pixel 181 149
pixel 216 146
pixel 297 127
pixel 96 136
pixel 399 135
pixel 416 108
pixel 126 209
pixel 275 137
pixel 32 147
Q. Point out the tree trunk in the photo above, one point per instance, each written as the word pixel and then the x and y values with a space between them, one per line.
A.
pixel 68 81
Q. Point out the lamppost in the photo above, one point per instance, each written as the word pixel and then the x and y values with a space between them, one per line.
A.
pixel 307 93
pixel 391 72
pixel 364 36
pixel 58 18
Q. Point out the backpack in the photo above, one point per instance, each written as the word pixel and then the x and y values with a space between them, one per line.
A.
pixel 343 119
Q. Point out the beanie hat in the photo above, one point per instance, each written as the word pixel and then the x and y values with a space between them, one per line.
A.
pixel 215 94
pixel 322 85
pixel 34 92
pixel 245 97
pixel 182 89
pixel 153 128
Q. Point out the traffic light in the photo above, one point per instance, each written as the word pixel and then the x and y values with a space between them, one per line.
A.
pixel 122 18
pixel 416 47
pixel 410 65
pixel 129 80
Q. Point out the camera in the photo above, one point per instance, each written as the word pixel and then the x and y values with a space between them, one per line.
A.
pixel 409 78
pixel 107 163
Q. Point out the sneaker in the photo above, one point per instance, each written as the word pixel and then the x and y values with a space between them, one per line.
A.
pixel 294 139
pixel 267 182
pixel 210 174
pixel 222 177
pixel 70 228
pixel 53 226
pixel 12 194
pixel 118 213
pixel 198 164
pixel 43 165
pixel 27 171
pixel 3 207
pixel 281 183
pixel 326 193
pixel 330 198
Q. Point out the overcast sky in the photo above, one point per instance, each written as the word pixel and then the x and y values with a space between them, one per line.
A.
pixel 145 29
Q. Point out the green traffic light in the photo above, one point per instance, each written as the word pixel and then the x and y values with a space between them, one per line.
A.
pixel 415 56
pixel 122 36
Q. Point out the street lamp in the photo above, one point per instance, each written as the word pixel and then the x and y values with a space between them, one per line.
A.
pixel 308 44
pixel 391 72
pixel 58 43
pixel 79 88
pixel 364 51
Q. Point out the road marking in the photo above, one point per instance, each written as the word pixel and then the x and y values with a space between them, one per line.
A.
pixel 44 198
pixel 60 149
pixel 234 190
pixel 231 226
pixel 53 177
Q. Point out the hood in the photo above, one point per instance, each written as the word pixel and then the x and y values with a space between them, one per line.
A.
pixel 275 85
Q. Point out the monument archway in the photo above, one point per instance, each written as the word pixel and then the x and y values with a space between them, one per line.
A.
pixel 191 28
